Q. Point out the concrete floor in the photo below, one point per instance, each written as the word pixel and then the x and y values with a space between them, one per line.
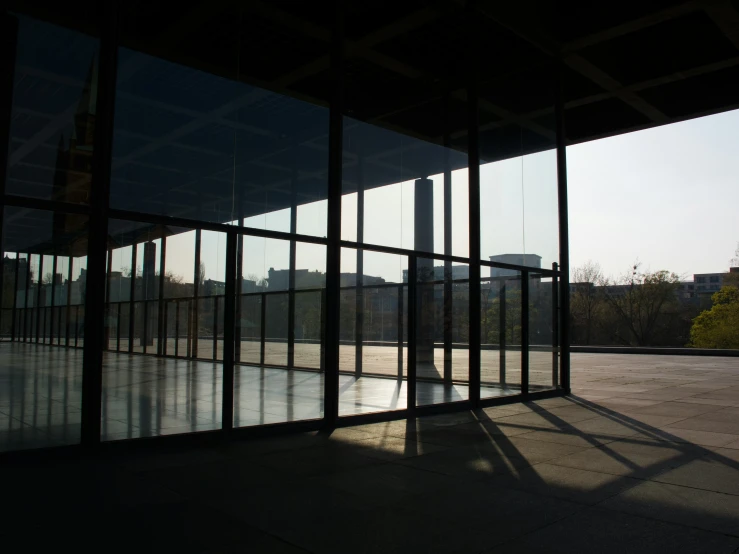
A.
pixel 643 457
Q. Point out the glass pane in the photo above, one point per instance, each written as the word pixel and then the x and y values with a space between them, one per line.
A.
pixel 41 401
pixel 442 300
pixel 543 335
pixel 373 322
pixel 518 176
pixel 193 139
pixel 279 332
pixel 500 314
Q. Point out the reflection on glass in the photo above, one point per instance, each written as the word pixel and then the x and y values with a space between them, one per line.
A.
pixel 53 114
pixel 43 291
pixel 500 318
pixel 208 147
pixel 156 266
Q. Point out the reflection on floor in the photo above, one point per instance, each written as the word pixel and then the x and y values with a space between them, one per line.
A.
pixel 40 395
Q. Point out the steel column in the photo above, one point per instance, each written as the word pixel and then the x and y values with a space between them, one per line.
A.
pixel 98 224
pixel 333 231
pixel 196 294
pixel 564 240
pixel 229 314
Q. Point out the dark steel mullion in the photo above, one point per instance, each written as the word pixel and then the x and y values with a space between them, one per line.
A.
pixel 132 296
pixel 196 294
pixel 473 162
pixel 333 230
pixel 412 331
pixel 525 343
pixel 68 315
pixel 448 288
pixel 229 314
pixel 160 305
pixel 98 224
pixel 239 290
pixel 564 241
pixel 292 261
pixel 7 70
pixel 359 290
pixel 106 324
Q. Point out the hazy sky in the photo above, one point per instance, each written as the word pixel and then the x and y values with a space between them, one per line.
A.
pixel 666 197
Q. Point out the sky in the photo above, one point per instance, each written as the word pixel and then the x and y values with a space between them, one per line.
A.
pixel 665 197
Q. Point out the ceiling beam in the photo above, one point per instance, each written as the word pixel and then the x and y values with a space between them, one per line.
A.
pixel 726 18
pixel 631 26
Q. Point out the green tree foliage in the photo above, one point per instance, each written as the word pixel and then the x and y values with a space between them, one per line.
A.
pixel 719 326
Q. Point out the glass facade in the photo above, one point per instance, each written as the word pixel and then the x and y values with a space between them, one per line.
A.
pixel 289 227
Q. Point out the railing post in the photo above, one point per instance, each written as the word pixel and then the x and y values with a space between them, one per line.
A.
pixel 502 331
pixel 166 330
pixel 176 329
pixel 262 329
pixel 37 307
pixel 524 332
pixel 412 331
pixel 160 305
pixel 215 327
pixel 131 299
pixel 69 301
pixel 555 327
pixel 53 299
pixel 400 331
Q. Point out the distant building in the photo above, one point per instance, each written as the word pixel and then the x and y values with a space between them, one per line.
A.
pixel 528 260
pixel 279 279
pixel 459 272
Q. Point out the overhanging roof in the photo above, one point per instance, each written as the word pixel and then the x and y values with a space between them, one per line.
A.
pixel 225 110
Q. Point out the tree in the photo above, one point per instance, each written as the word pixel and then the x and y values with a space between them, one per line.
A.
pixel 585 300
pixel 719 326
pixel 644 305
pixel 731 279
